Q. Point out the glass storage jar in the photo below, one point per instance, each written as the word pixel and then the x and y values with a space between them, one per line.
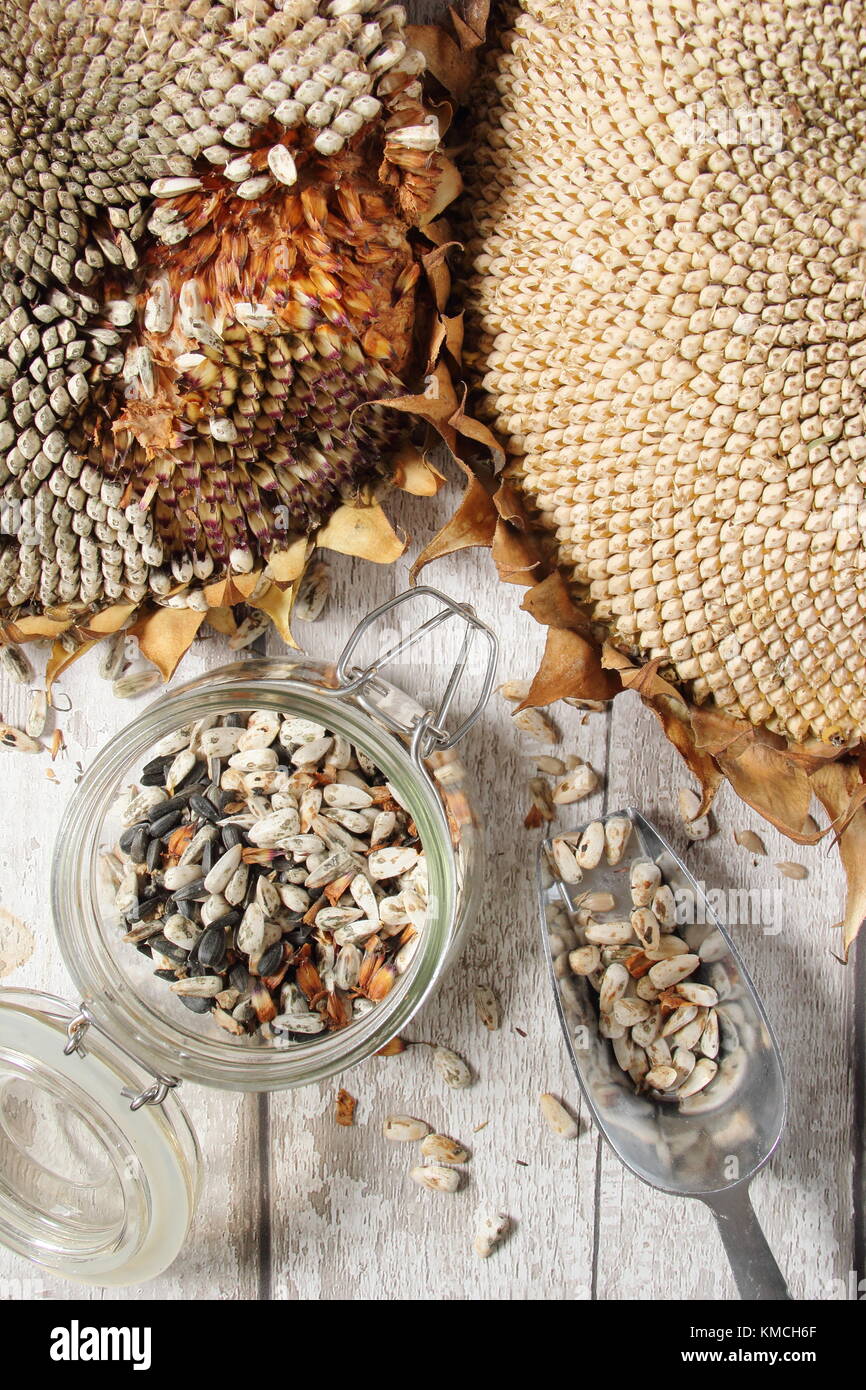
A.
pixel 129 1038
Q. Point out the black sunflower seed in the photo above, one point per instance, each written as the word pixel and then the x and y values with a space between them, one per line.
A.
pixel 210 854
pixel 211 946
pixel 165 824
pixel 240 978
pixel 174 803
pixel 152 774
pixel 204 809
pixel 139 846
pixel 165 975
pixel 271 959
pixel 153 855
pixel 191 890
pixel 195 1003
pixel 232 835
pixel 127 839
pixel 164 947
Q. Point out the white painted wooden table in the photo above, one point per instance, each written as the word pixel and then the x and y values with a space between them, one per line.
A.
pixel 294 1207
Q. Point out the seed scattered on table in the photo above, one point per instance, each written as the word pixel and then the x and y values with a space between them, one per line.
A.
pixel 444 1149
pixel 487 1007
pixel 249 872
pixel 749 840
pixel 559 1121
pixel 792 870
pixel 436 1177
pixel 454 1071
pixel 696 827
pixel 491 1229
pixel 401 1129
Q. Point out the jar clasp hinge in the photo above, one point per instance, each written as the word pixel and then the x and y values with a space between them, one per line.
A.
pixel 76 1032
pixel 429 731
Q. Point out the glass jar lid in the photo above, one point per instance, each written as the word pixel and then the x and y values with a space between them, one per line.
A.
pixel 96 1184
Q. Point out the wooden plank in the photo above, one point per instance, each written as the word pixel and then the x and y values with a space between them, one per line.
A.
pixel 803 1198
pixel 221 1258
pixel 347 1220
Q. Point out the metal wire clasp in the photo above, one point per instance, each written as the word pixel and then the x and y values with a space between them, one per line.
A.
pixel 76 1032
pixel 429 731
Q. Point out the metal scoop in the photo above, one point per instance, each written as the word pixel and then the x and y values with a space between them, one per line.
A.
pixel 711 1145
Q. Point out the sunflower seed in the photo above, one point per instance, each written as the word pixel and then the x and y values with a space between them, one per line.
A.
pixel 202 986
pixel 580 782
pixel 644 878
pixel 436 1177
pixel 452 1068
pixel 17 739
pixel 591 846
pixel 792 870
pixel 404 1128
pixel 491 1228
pixel 487 1007
pixel 700 1076
pixel 558 1119
pixel 37 714
pixel 617 832
pixel 15 663
pixel 444 1149
pixel 670 972
pixel 747 839
pixel 536 725
pixel 136 682
pixel 696 826
pixel 316 584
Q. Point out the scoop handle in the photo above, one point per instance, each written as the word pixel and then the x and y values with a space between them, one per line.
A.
pixel 753 1264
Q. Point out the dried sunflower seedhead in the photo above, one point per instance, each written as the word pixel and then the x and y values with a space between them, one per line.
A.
pixel 665 235
pixel 210 270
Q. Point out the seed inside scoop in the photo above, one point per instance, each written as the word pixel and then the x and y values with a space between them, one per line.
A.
pixel 657 1006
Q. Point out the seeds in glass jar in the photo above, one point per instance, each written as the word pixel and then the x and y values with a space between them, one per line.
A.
pixel 257 898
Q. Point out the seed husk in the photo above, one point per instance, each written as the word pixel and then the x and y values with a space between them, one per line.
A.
pixel 491 1229
pixel 617 832
pixel 402 1129
pixel 444 1149
pixel 454 1071
pixel 487 1007
pixel 751 841
pixel 436 1177
pixel 559 1121
pixel 792 870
